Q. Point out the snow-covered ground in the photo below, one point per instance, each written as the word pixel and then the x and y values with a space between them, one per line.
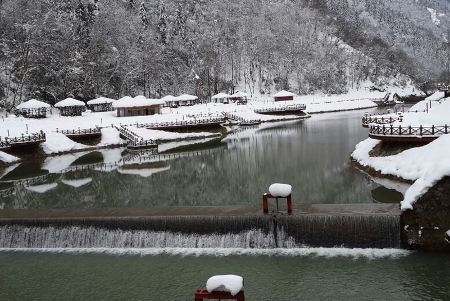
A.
pixel 12 126
pixel 425 165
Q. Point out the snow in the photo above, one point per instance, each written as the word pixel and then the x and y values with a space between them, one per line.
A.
pixel 425 165
pixel 33 104
pixel 13 126
pixel 69 102
pixel 138 101
pixel 42 188
pixel 77 183
pixel 283 94
pixel 221 95
pixel 280 190
pixel 7 158
pixel 169 98
pixel 187 97
pixel 143 172
pixel 240 94
pixel 434 16
pixel 225 283
pixel 100 100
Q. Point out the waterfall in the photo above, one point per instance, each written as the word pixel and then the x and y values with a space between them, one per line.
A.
pixel 258 232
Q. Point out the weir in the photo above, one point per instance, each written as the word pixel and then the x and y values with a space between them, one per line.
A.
pixel 218 227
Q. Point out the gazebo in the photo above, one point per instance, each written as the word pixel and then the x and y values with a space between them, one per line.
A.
pixel 33 108
pixel 170 101
pixel 138 106
pixel 221 97
pixel 284 96
pixel 240 97
pixel 70 107
pixel 101 104
pixel 186 99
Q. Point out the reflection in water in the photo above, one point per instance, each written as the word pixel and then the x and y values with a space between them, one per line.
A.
pixel 311 155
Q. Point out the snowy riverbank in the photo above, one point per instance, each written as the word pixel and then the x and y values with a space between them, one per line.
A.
pixel 425 164
pixel 13 126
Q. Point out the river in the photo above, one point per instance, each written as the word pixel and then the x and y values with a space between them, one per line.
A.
pixel 311 155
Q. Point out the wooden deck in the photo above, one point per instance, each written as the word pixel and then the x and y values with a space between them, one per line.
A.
pixel 7 143
pixel 292 109
pixel 81 133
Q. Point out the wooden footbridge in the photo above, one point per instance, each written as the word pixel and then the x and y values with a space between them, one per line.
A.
pixel 82 133
pixel 241 120
pixel 291 109
pixel 134 141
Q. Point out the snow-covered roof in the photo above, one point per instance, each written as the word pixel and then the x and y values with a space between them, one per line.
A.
pixel 128 102
pixel 225 283
pixel 240 94
pixel 284 93
pixel 169 98
pixel 280 190
pixel 187 97
pixel 100 100
pixel 69 102
pixel 221 95
pixel 436 96
pixel 33 104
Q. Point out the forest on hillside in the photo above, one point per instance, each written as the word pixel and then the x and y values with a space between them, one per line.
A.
pixel 52 49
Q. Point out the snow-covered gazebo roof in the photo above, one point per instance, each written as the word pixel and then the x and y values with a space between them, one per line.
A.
pixel 187 97
pixel 100 100
pixel 69 102
pixel 240 94
pixel 32 104
pixel 221 95
pixel 129 102
pixel 284 93
pixel 169 98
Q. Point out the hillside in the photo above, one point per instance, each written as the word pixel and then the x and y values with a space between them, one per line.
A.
pixel 50 49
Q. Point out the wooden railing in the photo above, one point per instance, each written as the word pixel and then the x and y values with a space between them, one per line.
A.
pixel 180 123
pixel 241 119
pixel 91 131
pixel 366 120
pixel 24 139
pixel 411 131
pixel 298 107
pixel 134 140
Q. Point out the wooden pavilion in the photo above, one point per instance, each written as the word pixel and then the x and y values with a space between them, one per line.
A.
pixel 186 99
pixel 70 107
pixel 221 98
pixel 138 106
pixel 101 104
pixel 33 109
pixel 239 97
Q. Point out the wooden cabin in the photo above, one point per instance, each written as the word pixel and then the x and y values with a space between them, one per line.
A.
pixel 284 96
pixel 33 109
pixel 239 98
pixel 70 107
pixel 171 101
pixel 187 100
pixel 138 106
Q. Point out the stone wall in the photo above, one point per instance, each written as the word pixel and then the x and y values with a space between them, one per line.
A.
pixel 425 227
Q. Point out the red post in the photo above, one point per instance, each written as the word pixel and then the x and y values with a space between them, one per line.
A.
pixel 266 196
pixel 265 203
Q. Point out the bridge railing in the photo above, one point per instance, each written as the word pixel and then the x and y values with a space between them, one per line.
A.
pixel 241 119
pixel 180 123
pixel 399 131
pixel 89 131
pixel 298 107
pixel 366 120
pixel 23 139
pixel 133 139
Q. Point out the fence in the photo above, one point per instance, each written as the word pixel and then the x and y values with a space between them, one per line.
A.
pixel 409 131
pixel 181 123
pixel 33 138
pixel 366 120
pixel 299 107
pixel 80 132
pixel 241 120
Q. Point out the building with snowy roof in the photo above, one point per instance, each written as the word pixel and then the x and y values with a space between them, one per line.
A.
pixel 284 96
pixel 221 98
pixel 70 107
pixel 33 108
pixel 101 104
pixel 138 106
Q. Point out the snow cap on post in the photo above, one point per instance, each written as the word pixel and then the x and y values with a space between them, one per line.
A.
pixel 280 190
pixel 225 283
